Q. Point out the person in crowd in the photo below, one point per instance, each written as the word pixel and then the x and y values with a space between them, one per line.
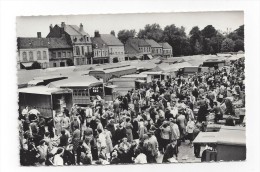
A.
pixel 170 151
pixel 190 129
pixel 69 155
pixel 58 160
pixel 63 139
pixel 76 138
pixel 43 150
pixel 114 158
pixel 140 158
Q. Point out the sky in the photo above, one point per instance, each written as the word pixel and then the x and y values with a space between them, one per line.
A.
pixel 28 26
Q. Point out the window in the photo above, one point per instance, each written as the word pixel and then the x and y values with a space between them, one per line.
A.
pixel 54 65
pixel 69 54
pixel 59 54
pixel 88 48
pixel 24 56
pixel 39 55
pixel 64 54
pixel 87 39
pixel 53 54
pixel 77 50
pixel 31 55
pixel 82 50
pixel 44 55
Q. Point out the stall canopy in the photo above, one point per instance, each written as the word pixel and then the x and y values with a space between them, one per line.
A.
pixel 171 67
pixel 150 56
pixel 42 79
pixel 77 81
pixel 43 90
pixel 35 82
pixel 28 64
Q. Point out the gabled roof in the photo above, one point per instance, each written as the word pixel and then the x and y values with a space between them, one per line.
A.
pixel 23 43
pixel 110 39
pixel 153 43
pixel 98 42
pixel 131 49
pixel 74 30
pixel 136 42
pixel 52 43
pixel 165 45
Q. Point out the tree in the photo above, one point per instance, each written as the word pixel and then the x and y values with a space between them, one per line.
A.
pixel 69 62
pixel 206 47
pixel 177 38
pixel 239 45
pixel 112 32
pixel 124 35
pixel 209 32
pixel 36 65
pixel 195 40
pixel 227 45
pixel 215 42
pixel 240 32
pixel 153 31
pixel 197 48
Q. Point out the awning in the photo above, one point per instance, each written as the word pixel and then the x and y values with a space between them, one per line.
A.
pixel 35 82
pixel 111 86
pixel 150 56
pixel 142 81
pixel 28 64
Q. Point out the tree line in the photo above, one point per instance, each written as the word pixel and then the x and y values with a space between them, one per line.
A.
pixel 199 41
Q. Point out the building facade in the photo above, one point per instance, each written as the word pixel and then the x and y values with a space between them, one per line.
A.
pixel 167 49
pixel 107 48
pixel 140 47
pixel 157 49
pixel 32 50
pixel 77 38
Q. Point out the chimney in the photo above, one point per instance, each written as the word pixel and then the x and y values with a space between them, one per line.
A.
pixel 62 31
pixel 39 34
pixel 97 33
pixel 51 27
pixel 62 24
pixel 81 27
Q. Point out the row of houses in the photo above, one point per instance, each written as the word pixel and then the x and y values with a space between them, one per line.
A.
pixel 67 45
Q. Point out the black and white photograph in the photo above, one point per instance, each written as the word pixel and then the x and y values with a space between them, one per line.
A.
pixel 131 88
pixel 140 85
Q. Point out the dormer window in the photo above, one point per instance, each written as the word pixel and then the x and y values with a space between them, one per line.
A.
pixel 75 39
pixel 81 39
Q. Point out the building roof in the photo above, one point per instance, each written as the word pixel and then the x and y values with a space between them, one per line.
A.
pixel 165 45
pixel 131 48
pixel 51 43
pixel 98 42
pixel 42 90
pixel 110 39
pixel 74 30
pixel 136 42
pixel 153 43
pixel 76 81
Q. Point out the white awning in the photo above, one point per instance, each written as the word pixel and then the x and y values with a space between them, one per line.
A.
pixel 28 64
pixel 34 82
pixel 150 56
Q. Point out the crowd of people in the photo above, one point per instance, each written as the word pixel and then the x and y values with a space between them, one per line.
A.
pixel 139 127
